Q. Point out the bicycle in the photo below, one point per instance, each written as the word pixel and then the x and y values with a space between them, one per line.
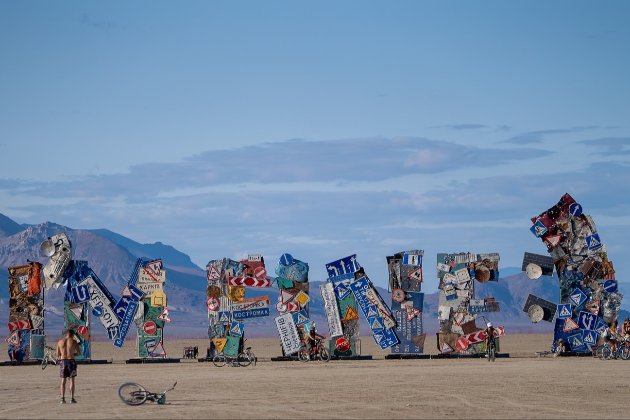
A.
pixel 491 350
pixel 132 393
pixel 622 351
pixel 316 351
pixel 50 356
pixel 250 354
pixel 242 360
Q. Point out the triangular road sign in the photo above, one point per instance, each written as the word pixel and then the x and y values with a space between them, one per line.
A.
pixel 164 316
pixel 411 312
pixel 351 314
pixel 224 317
pixel 236 329
pixel 446 348
pixel 286 296
pixel 342 290
pixel 372 311
pixel 570 325
pixel 553 240
pixel 376 323
pixel 126 292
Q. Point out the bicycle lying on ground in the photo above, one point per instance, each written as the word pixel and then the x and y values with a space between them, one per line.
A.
pixel 317 351
pixel 134 394
pixel 50 356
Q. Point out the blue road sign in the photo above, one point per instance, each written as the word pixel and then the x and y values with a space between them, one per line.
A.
pixel 359 289
pixel 300 318
pixel 376 323
pixel 236 329
pixel 587 320
pixel 112 332
pixel 372 311
pixel 564 310
pixel 600 326
pixel 250 313
pixel 593 242
pixel 342 290
pixel 589 337
pixel 97 311
pixel 224 317
pixel 125 323
pixel 412 259
pixel 577 297
pixel 80 293
pixel 385 338
pixel 407 330
pixel 575 209
pixel 121 306
pixel 610 286
pixel 343 266
pixel 576 342
pixel 286 259
pixel 538 229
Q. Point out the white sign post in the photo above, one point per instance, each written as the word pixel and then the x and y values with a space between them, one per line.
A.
pixel 332 311
pixel 288 333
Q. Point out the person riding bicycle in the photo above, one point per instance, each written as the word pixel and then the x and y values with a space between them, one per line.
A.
pixel 312 338
pixel 611 336
pixel 489 334
pixel 625 329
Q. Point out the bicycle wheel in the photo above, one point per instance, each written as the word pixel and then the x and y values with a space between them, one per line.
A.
pixel 132 394
pixel 624 353
pixel 219 360
pixel 324 356
pixel 606 352
pixel 493 354
pixel 244 360
pixel 253 357
pixel 303 354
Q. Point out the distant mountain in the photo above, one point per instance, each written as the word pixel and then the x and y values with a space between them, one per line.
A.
pixel 8 227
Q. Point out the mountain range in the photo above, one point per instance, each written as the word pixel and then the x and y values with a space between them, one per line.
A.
pixel 112 257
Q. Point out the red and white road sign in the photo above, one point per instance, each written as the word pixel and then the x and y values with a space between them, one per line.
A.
pixel 249 281
pixel 476 337
pixel 342 344
pixel 213 303
pixel 82 330
pixel 293 307
pixel 150 327
pixel 19 325
pixel 462 344
pixel 260 273
pixel 499 331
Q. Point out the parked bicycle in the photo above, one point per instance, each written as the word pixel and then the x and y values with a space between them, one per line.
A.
pixel 606 352
pixel 132 393
pixel 316 351
pixel 242 360
pixel 50 356
pixel 250 354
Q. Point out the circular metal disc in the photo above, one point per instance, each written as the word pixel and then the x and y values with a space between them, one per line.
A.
pixel 398 295
pixel 47 248
pixel 535 313
pixel 533 271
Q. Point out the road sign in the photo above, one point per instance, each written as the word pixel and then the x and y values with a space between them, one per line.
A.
pixel 411 312
pixel 576 342
pixel 376 323
pixel 332 310
pixel 342 290
pixel 385 338
pixel 593 242
pixel 164 316
pixel 372 311
pixel 538 229
pixel 149 327
pixel 224 317
pixel 125 323
pixel 587 320
pixel 285 296
pixel 342 344
pixel 219 343
pixel 600 326
pixel 446 348
pixel 564 311
pixel 366 295
pixel 412 259
pixel 213 303
pixel 286 259
pixel 250 313
pixel 100 298
pixel 553 240
pixel 610 286
pixel 13 339
pixel 462 344
pixel 351 314
pixel 293 307
pixel 19 325
pixel 476 337
pixel 569 325
pixel 398 295
pixel 577 297
pixel 575 209
pixel 302 298
pixel 112 332
pixel 252 303
pixel 549 308
pixel 236 329
pixel 499 331
pixel 300 318
pixel 288 333
pixel 343 266
pixel 80 293
pixel 249 281
pixel 589 337
pixel 158 299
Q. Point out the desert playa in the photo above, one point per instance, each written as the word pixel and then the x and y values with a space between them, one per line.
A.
pixel 522 386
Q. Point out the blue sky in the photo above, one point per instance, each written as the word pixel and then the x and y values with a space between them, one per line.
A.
pixel 320 129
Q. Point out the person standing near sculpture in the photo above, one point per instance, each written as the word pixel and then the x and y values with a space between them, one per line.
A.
pixel 67 348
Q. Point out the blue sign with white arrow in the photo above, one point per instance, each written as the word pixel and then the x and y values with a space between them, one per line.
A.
pixel 575 209
pixel 125 323
pixel 587 320
pixel 610 286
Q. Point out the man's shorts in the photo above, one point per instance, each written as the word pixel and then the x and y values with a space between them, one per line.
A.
pixel 67 368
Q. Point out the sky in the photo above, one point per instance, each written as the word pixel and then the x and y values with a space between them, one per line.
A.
pixel 321 129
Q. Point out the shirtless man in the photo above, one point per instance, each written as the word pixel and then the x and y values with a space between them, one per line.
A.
pixel 67 348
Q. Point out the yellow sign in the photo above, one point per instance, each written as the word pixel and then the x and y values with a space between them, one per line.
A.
pixel 158 299
pixel 236 293
pixel 219 343
pixel 302 298
pixel 351 314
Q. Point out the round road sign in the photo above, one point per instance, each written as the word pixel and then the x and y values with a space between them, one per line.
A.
pixel 213 303
pixel 286 260
pixel 97 311
pixel 342 344
pixel 260 273
pixel 398 295
pixel 462 344
pixel 149 327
